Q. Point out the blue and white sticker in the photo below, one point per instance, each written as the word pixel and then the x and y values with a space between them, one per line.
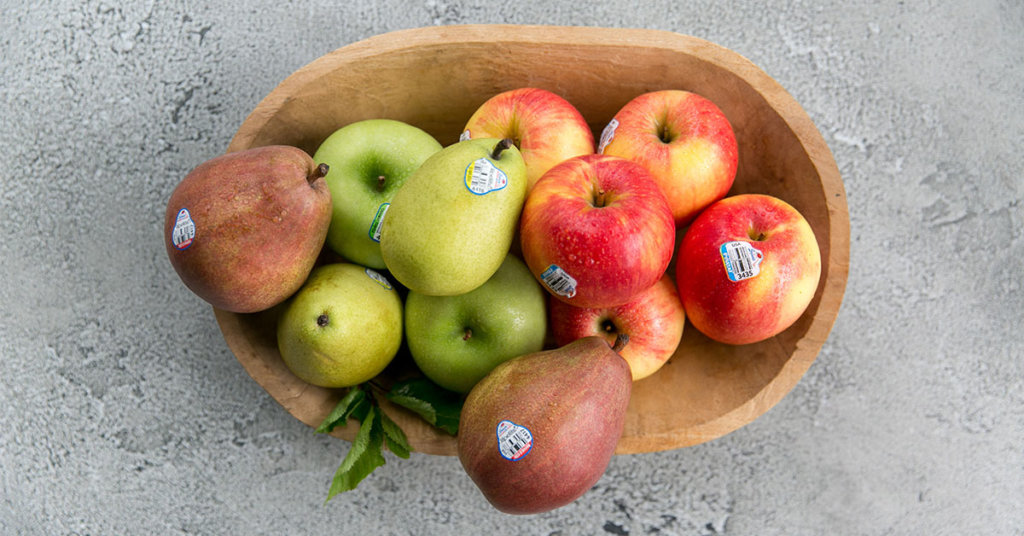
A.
pixel 483 177
pixel 184 230
pixel 559 281
pixel 378 219
pixel 514 441
pixel 607 135
pixel 741 260
pixel 379 278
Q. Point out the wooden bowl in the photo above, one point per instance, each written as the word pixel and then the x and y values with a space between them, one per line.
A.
pixel 436 77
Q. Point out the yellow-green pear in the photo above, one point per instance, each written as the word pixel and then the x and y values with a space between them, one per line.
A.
pixel 452 222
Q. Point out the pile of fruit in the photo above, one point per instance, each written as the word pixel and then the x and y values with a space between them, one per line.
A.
pixel 526 270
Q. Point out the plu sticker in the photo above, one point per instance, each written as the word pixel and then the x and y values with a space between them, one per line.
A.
pixel 559 281
pixel 607 134
pixel 742 260
pixel 482 177
pixel 379 278
pixel 378 219
pixel 184 230
pixel 514 441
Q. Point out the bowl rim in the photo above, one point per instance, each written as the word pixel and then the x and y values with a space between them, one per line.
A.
pixel 832 287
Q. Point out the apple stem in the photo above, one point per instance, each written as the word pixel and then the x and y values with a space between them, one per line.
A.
pixel 599 199
pixel 620 342
pixel 468 335
pixel 380 183
pixel 501 147
pixel 319 173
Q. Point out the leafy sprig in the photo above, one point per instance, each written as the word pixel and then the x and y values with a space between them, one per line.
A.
pixel 433 404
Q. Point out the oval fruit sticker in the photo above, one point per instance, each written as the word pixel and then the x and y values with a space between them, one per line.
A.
pixel 514 441
pixel 184 230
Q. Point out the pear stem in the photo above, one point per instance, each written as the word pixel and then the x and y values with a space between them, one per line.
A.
pixel 319 173
pixel 501 147
pixel 620 342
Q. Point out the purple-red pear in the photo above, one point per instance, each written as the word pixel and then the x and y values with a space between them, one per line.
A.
pixel 539 430
pixel 244 229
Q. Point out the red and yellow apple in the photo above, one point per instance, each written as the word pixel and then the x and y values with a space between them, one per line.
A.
pixel 596 230
pixel 747 268
pixel 653 320
pixel 685 141
pixel 545 127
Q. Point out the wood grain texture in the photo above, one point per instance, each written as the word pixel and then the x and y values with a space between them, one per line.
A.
pixel 436 77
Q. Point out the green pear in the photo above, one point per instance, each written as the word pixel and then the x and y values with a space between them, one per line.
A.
pixel 457 340
pixel 342 328
pixel 369 161
pixel 452 223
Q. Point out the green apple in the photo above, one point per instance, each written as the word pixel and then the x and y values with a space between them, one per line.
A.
pixel 457 340
pixel 342 328
pixel 369 160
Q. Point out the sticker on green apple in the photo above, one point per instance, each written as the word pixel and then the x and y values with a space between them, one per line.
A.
pixel 742 260
pixel 378 219
pixel 514 441
pixel 483 177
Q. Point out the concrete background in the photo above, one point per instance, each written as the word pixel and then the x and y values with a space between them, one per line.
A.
pixel 123 412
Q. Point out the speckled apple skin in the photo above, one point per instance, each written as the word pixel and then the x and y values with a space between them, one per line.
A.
pixel 754 309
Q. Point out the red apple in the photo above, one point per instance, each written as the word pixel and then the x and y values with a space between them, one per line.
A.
pixel 747 268
pixel 653 320
pixel 596 230
pixel 684 140
pixel 545 127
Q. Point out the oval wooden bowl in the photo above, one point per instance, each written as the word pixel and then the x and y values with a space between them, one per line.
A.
pixel 436 77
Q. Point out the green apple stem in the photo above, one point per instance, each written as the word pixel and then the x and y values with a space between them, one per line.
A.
pixel 380 182
pixel 501 147
pixel 620 342
pixel 468 335
pixel 318 173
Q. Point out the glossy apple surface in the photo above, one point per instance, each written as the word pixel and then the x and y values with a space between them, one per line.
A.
pixel 653 320
pixel 685 141
pixel 596 230
pixel 369 161
pixel 545 127
pixel 747 268
pixel 457 340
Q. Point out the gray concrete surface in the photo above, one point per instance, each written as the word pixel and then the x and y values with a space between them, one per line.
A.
pixel 123 412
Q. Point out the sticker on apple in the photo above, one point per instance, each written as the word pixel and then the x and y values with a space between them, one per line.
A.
pixel 377 220
pixel 742 260
pixel 514 441
pixel 184 231
pixel 607 134
pixel 465 135
pixel 379 278
pixel 483 177
pixel 559 281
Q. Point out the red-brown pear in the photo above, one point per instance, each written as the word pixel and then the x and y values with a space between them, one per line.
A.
pixel 539 430
pixel 244 229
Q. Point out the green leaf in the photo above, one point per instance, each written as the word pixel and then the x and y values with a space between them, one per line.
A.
pixel 341 412
pixel 396 440
pixel 434 404
pixel 363 457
